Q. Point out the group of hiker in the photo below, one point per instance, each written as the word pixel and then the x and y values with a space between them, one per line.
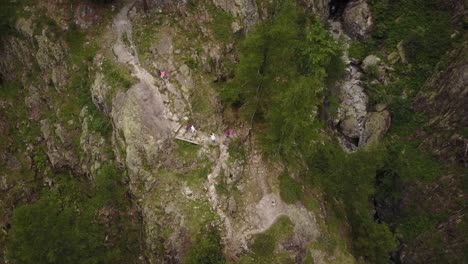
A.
pixel 193 130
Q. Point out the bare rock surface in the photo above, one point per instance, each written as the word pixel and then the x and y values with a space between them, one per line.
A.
pixel 142 120
pixel 370 61
pixel 357 19
pixel 375 128
pixel 59 148
pixel 320 7
pixel 353 100
pixel 246 10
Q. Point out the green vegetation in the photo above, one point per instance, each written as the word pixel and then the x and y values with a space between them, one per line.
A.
pixel 76 221
pixel 202 107
pixel 285 67
pixel 221 23
pixel 144 35
pixel 290 190
pixel 116 75
pixel 9 15
pixel 357 50
pixel 207 249
pixel 265 243
pixel 280 78
pixel 309 259
pixel 186 151
pixel 351 178
pixel 65 226
pixel 424 31
pixel 236 151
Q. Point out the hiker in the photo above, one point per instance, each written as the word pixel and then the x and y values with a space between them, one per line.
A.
pixel 192 129
pixel 228 133
pixel 162 73
pixel 213 138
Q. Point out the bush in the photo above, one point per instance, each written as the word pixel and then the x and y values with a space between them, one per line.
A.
pixel 351 179
pixel 264 245
pixel 290 190
pixel 117 76
pixel 48 232
pixel 63 226
pixel 357 50
pixel 373 241
pixel 109 189
pixel 8 16
pixel 221 23
pixel 207 249
pixel 335 69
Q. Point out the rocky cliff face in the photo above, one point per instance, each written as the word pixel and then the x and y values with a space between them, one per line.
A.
pixel 179 182
pixel 443 100
pixel 179 189
pixel 45 130
pixel 150 121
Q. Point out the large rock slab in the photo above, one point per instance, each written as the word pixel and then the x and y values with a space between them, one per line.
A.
pixel 357 19
pixel 142 125
pixel 376 126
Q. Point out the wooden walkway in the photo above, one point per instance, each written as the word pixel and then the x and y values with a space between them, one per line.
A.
pixel 187 140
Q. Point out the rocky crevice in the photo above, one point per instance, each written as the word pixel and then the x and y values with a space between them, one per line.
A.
pixel 355 125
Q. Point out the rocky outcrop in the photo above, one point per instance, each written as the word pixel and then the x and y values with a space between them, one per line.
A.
pixel 444 100
pixel 357 19
pixel 86 15
pixel 50 57
pixel 246 10
pixel 353 100
pixel 100 93
pixel 457 8
pixel 92 145
pixel 59 147
pixel 370 61
pixel 375 128
pixel 141 128
pixel 141 118
pixel 321 8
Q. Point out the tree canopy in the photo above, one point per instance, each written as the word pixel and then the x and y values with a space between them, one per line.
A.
pixel 280 78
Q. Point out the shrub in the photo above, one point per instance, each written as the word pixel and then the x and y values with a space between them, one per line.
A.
pixel 48 232
pixel 264 245
pixel 373 241
pixel 357 50
pixel 290 190
pixel 351 179
pixel 117 76
pixel 221 23
pixel 8 16
pixel 335 69
pixel 109 189
pixel 207 249
pixel 63 226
